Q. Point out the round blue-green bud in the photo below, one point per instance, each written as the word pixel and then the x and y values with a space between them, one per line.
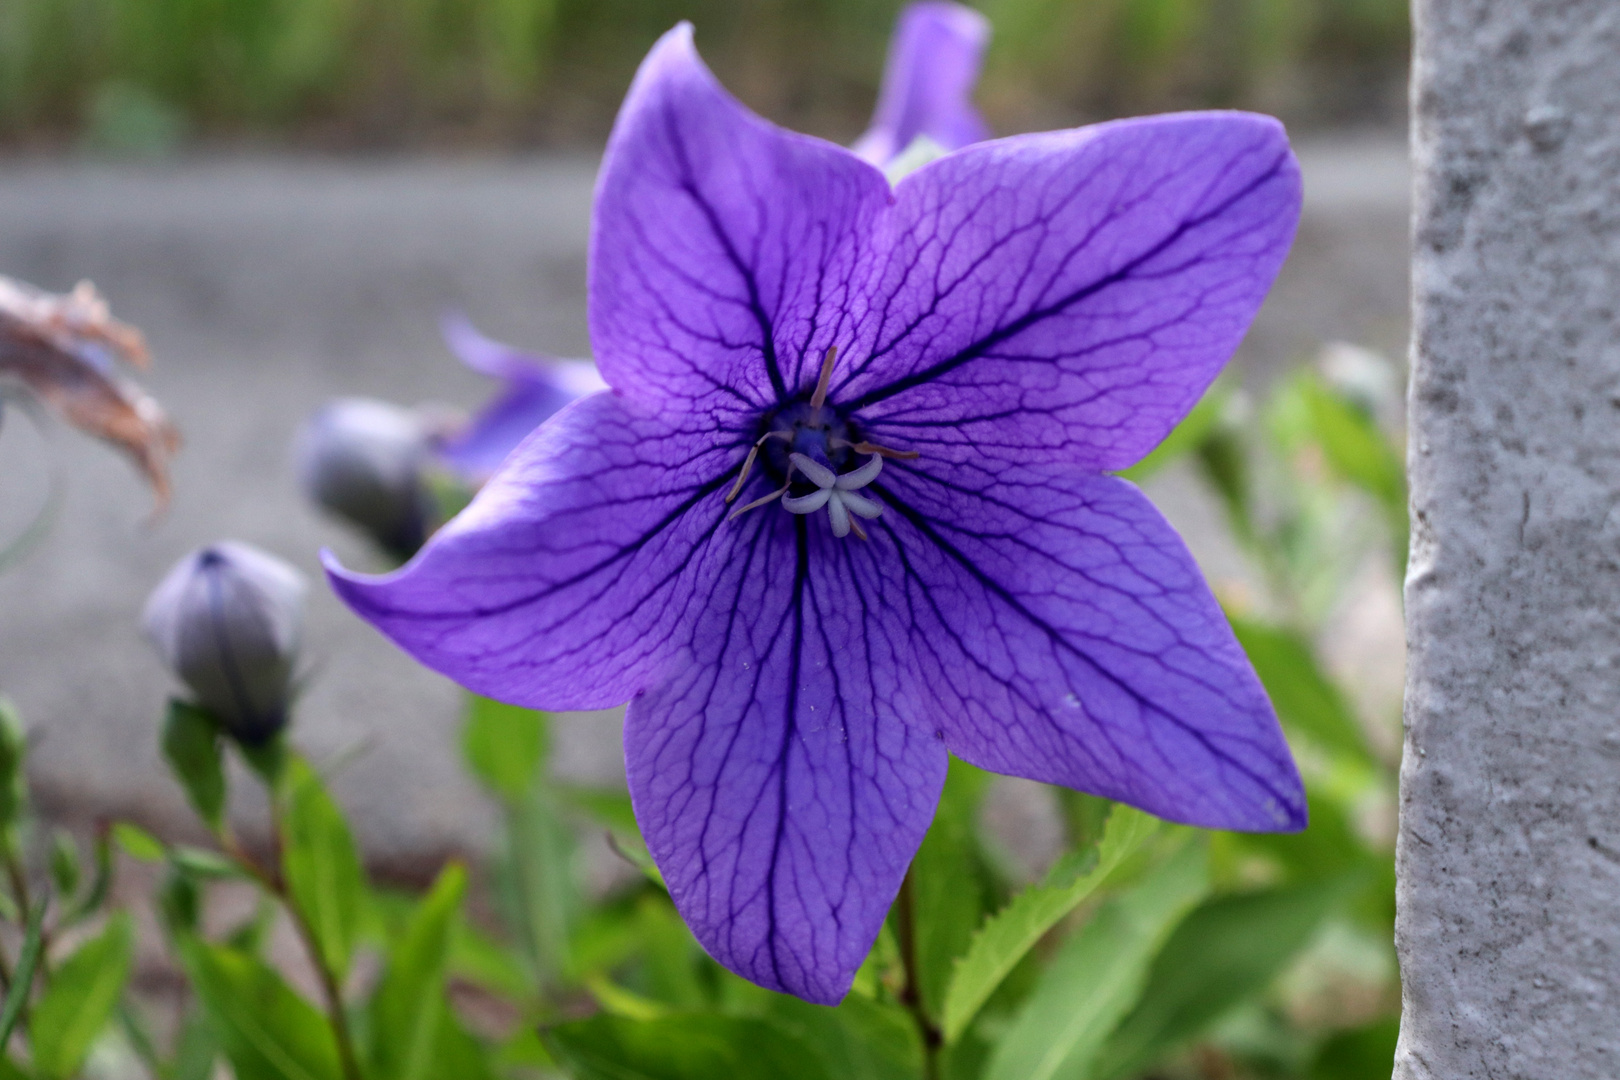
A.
pixel 363 461
pixel 228 620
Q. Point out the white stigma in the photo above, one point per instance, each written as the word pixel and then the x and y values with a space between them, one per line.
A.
pixel 837 493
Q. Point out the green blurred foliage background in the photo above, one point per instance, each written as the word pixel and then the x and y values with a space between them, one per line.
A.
pixel 149 74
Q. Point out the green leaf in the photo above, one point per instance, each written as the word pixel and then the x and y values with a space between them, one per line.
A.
pixel 1363 1054
pixel 138 843
pixel 64 863
pixel 13 749
pixel 196 1051
pixel 1307 701
pixel 321 865
pixel 697 1046
pixel 80 1000
pixel 409 1003
pixel 267 1031
pixel 22 976
pixel 610 806
pixel 191 746
pixel 200 862
pixel 1099 972
pixel 1183 438
pixel 949 884
pixel 100 882
pixel 539 882
pixel 1011 932
pixel 504 745
pixel 1358 451
pixel 860 1039
pixel 1225 953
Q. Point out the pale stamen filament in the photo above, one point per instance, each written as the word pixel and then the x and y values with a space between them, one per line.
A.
pixel 748 463
pixel 819 398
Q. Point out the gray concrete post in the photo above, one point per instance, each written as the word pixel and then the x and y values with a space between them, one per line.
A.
pixel 1509 852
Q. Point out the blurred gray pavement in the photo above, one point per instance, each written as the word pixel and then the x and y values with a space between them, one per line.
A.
pixel 266 286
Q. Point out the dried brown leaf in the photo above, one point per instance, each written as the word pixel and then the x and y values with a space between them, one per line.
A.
pixel 64 348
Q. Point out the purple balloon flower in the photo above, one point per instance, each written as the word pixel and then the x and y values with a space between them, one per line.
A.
pixel 847 505
pixel 928 82
pixel 532 388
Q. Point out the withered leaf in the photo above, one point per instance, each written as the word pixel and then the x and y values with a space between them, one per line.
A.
pixel 64 348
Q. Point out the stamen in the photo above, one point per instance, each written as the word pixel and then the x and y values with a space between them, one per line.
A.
pixel 874 448
pixel 748 462
pixel 761 501
pixel 819 398
pixel 855 527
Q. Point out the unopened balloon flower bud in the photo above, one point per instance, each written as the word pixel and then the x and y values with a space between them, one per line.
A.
pixel 363 460
pixel 227 620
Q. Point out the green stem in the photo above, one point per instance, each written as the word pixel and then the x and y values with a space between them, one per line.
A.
pixel 911 996
pixel 331 992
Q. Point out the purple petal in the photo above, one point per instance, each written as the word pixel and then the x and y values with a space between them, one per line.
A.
pixel 778 790
pixel 574 576
pixel 1070 295
pixel 536 386
pixel 928 81
pixel 1059 630
pixel 724 250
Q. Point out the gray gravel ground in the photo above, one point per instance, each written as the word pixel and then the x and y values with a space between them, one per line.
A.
pixel 266 286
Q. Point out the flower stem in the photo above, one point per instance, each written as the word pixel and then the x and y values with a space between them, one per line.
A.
pixel 911 996
pixel 276 885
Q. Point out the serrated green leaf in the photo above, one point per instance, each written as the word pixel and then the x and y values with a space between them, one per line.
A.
pixel 1007 935
pixel 80 1000
pixel 191 746
pixel 409 1002
pixel 505 745
pixel 267 1031
pixel 1306 700
pixel 950 886
pixel 22 976
pixel 138 843
pixel 699 1046
pixel 1221 956
pixel 321 865
pixel 1099 972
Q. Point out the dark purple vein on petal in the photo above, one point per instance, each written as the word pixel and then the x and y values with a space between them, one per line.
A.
pixel 688 184
pixel 924 526
pixel 1030 318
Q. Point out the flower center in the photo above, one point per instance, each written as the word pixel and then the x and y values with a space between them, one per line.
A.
pixel 813 455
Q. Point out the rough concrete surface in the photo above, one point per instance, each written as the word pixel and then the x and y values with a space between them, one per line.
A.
pixel 1509 851
pixel 267 286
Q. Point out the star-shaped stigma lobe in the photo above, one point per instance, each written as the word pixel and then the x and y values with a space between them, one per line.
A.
pixel 952 365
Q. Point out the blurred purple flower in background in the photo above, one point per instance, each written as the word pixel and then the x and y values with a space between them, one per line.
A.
pixel 533 387
pixel 928 82
pixel 374 464
pixel 948 368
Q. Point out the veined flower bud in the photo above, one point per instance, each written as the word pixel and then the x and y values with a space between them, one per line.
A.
pixel 363 460
pixel 227 620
